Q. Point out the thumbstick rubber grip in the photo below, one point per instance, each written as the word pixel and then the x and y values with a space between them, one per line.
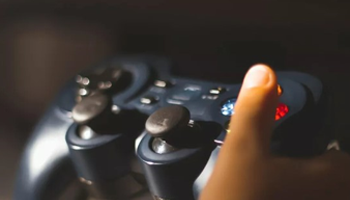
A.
pixel 90 108
pixel 167 120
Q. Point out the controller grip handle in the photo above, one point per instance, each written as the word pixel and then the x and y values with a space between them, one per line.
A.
pixel 45 168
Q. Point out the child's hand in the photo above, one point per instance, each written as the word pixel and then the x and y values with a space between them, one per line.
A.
pixel 245 169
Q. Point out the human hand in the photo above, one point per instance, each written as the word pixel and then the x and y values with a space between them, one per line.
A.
pixel 245 168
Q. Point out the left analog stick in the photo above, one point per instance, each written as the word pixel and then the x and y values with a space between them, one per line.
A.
pixel 92 111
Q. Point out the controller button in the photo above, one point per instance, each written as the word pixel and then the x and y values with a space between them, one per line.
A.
pixel 148 100
pixel 103 85
pixel 112 79
pixel 192 88
pixel 187 93
pixel 209 97
pixel 279 90
pixel 227 109
pixel 182 97
pixel 227 126
pixel 167 120
pixel 161 84
pixel 281 111
pixel 217 90
pixel 176 102
pixel 109 80
pixel 83 92
pixel 83 81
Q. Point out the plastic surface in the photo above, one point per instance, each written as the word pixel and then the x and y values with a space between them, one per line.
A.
pixel 45 168
pixel 55 154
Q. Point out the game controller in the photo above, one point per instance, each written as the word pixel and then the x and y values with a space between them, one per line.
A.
pixel 127 125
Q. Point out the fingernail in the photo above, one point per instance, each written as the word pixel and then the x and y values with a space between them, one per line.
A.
pixel 258 75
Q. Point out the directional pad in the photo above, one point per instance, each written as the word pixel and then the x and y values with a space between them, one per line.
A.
pixel 107 80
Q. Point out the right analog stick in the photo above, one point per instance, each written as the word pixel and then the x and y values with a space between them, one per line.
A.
pixel 168 122
pixel 171 129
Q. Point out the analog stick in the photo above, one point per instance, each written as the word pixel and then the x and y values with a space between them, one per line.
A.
pixel 167 122
pixel 170 128
pixel 93 111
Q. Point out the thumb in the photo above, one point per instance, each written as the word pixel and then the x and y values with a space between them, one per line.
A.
pixel 255 109
pixel 243 153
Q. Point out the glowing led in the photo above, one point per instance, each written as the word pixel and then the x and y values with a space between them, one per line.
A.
pixel 281 111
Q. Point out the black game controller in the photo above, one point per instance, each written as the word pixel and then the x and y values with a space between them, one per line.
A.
pixel 131 108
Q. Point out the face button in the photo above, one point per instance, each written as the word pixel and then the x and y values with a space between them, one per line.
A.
pixel 227 126
pixel 161 84
pixel 279 90
pixel 148 100
pixel 227 109
pixel 218 90
pixel 167 120
pixel 281 111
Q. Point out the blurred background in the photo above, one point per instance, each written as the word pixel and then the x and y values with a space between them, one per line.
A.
pixel 44 44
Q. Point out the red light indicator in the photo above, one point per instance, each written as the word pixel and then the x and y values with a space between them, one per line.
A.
pixel 281 111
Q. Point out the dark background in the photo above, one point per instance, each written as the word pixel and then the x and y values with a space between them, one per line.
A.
pixel 44 44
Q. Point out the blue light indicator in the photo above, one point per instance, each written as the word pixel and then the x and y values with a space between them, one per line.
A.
pixel 227 109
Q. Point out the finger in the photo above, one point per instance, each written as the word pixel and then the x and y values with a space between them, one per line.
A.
pixel 241 159
pixel 255 109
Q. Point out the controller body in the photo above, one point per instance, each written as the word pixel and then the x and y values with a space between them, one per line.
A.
pixel 300 131
pixel 47 168
pixel 56 154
